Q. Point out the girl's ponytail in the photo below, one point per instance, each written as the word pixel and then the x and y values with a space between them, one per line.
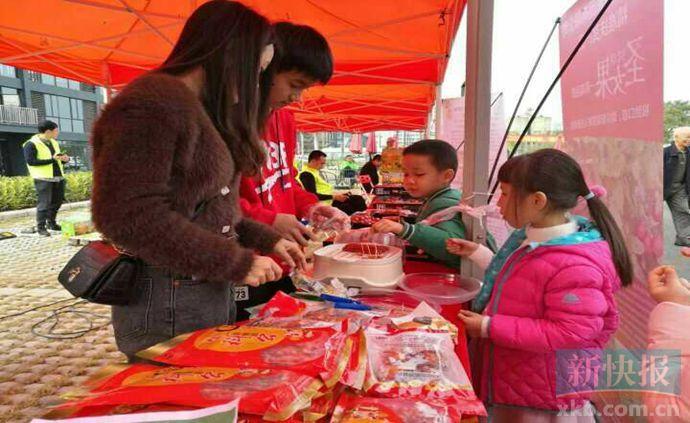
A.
pixel 611 232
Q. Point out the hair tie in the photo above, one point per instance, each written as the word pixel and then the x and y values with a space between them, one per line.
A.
pixel 595 191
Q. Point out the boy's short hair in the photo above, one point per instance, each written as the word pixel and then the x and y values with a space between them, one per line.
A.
pixel 303 49
pixel 376 157
pixel 46 125
pixel 442 154
pixel 315 155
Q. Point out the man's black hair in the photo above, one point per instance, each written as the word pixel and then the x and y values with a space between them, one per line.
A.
pixel 303 49
pixel 316 154
pixel 376 157
pixel 46 125
pixel 442 154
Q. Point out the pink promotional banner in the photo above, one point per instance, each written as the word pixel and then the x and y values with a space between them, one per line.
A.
pixel 453 131
pixel 371 143
pixel 614 85
pixel 356 143
pixel 613 125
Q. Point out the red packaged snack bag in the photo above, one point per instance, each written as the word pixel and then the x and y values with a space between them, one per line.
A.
pixel 319 352
pixel 282 305
pixel 356 371
pixel 274 394
pixel 323 405
pixel 420 365
pixel 356 409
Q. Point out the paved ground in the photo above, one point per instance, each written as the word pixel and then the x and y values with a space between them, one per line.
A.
pixel 35 370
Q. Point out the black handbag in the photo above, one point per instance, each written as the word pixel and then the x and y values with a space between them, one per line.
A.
pixel 103 274
pixel 100 273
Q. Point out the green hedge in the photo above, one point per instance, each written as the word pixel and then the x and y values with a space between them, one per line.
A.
pixel 18 192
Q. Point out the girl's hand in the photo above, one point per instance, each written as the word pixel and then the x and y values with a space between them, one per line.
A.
pixel 291 253
pixel 461 247
pixel 665 285
pixel 472 322
pixel 385 225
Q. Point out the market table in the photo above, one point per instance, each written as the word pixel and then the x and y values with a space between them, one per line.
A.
pixel 449 312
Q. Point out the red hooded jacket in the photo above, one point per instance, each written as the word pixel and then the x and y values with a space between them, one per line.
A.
pixel 276 190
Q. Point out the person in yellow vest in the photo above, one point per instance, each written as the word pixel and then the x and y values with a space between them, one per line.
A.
pixel 313 181
pixel 45 160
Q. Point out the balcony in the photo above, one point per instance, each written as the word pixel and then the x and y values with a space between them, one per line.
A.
pixel 13 115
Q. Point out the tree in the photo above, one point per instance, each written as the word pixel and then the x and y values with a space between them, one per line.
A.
pixel 676 113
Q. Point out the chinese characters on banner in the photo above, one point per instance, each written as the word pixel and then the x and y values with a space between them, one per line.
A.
pixel 613 125
pixel 453 131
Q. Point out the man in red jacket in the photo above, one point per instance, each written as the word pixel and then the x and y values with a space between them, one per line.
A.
pixel 302 59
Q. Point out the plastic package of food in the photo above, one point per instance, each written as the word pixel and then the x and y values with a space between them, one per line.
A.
pixel 317 352
pixel 418 365
pixel 273 394
pixel 356 409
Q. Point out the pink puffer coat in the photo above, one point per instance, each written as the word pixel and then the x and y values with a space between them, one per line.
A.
pixel 545 299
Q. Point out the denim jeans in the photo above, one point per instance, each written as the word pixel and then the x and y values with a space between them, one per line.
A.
pixel 164 306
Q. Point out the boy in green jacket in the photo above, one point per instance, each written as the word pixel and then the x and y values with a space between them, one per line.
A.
pixel 429 167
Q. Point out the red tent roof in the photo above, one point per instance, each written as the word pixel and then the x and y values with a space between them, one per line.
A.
pixel 389 54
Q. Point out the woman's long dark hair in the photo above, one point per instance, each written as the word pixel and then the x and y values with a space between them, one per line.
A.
pixel 560 178
pixel 226 39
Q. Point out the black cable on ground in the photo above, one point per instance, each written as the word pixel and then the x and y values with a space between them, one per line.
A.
pixel 21 313
pixel 53 333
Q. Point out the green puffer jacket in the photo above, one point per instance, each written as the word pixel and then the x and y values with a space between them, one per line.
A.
pixel 432 239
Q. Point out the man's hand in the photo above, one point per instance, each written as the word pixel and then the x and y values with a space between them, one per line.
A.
pixel 263 270
pixel 387 226
pixel 665 285
pixel 292 229
pixel 340 197
pixel 291 253
pixel 326 218
pixel 62 157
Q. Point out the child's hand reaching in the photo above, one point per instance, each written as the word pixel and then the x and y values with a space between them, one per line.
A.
pixel 665 285
pixel 472 322
pixel 461 247
pixel 385 225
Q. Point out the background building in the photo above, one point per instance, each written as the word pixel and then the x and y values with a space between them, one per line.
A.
pixel 26 98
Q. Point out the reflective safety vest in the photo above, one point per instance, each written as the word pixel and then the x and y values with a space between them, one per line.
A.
pixel 43 153
pixel 322 187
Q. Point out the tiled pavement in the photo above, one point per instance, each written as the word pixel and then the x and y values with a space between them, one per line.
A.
pixel 35 370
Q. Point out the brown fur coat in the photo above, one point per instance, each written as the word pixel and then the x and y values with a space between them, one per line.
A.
pixel 156 157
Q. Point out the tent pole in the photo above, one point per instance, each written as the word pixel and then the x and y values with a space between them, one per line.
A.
pixel 477 118
pixel 439 112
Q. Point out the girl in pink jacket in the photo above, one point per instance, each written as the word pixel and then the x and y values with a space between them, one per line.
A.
pixel 550 288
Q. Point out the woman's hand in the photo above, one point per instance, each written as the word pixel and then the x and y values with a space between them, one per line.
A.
pixel 461 247
pixel 472 322
pixel 291 253
pixel 292 229
pixel 665 285
pixel 387 226
pixel 263 270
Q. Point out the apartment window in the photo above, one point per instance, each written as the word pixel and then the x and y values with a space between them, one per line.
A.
pixel 8 71
pixel 61 82
pixel 67 112
pixel 10 97
pixel 47 79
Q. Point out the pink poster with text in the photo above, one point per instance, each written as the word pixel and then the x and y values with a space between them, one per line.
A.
pixel 613 125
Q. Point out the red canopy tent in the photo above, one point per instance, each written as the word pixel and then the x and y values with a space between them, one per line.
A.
pixel 390 55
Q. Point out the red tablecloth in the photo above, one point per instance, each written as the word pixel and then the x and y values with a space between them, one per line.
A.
pixel 449 312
